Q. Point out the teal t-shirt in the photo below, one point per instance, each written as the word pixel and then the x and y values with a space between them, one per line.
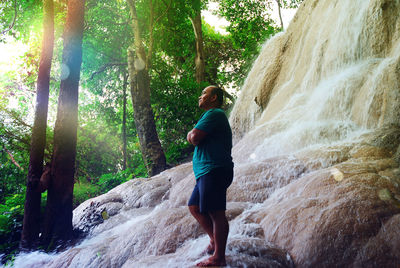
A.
pixel 215 150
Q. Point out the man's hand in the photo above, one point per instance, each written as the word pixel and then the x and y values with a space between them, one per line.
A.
pixel 195 136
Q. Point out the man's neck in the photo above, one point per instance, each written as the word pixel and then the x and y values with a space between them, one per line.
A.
pixel 211 107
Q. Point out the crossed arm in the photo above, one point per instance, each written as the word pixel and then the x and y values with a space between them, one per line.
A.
pixel 195 136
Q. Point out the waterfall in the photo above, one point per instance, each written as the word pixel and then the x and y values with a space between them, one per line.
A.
pixel 317 178
pixel 332 82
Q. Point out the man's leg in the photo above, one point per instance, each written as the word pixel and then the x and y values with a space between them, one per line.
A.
pixel 206 223
pixel 221 230
pixel 212 192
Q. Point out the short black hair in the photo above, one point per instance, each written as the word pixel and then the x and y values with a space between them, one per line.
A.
pixel 215 90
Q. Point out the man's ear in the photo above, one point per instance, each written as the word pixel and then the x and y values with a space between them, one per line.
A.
pixel 214 98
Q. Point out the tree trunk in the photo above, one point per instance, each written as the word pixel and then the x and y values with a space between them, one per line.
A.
pixel 125 85
pixel 200 58
pixel 152 152
pixel 58 221
pixel 31 223
pixel 151 39
pixel 279 12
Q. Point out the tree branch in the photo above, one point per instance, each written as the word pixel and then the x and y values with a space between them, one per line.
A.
pixel 12 158
pixel 279 12
pixel 15 17
pixel 14 116
pixel 229 96
pixel 152 25
pixel 105 66
pixel 163 14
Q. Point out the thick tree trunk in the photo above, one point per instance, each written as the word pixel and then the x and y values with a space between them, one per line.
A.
pixel 152 152
pixel 150 145
pixel 58 221
pixel 200 58
pixel 31 223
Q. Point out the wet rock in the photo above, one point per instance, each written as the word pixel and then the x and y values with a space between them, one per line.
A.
pixel 387 138
pixel 136 193
pixel 65 260
pixel 159 232
pixel 243 228
pixel 181 191
pixel 325 156
pixel 118 219
pixel 252 252
pixel 254 182
pixel 325 223
pixel 143 192
pixel 387 254
pixel 257 253
pixel 371 152
pixel 234 209
pixel 89 214
pixel 391 174
pixel 178 173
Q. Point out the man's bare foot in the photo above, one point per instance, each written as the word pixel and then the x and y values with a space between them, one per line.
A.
pixel 211 262
pixel 210 248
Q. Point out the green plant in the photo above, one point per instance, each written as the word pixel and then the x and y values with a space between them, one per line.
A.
pixel 10 211
pixel 11 217
pixel 178 151
pixel 84 190
pixel 108 181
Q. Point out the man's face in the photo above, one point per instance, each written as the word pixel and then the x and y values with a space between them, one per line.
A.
pixel 206 99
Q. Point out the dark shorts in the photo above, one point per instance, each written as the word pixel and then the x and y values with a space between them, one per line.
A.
pixel 210 190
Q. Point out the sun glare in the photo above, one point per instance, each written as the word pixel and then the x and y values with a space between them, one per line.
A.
pixel 11 53
pixel 219 23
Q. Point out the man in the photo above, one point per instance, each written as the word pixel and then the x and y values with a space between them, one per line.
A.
pixel 213 169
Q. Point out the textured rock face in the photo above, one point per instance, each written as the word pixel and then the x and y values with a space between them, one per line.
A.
pixel 336 206
pixel 317 160
pixel 323 222
pixel 137 196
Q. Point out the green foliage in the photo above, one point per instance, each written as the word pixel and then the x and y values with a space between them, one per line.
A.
pixel 11 216
pixel 175 108
pixel 84 190
pixel 10 211
pixel 222 59
pixel 136 164
pixel 14 18
pixel 97 150
pixel 109 181
pixel 174 37
pixel 250 25
pixel 178 152
pixel 290 3
pixel 12 177
pixel 107 37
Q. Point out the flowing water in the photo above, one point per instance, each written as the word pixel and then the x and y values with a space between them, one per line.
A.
pixel 331 84
pixel 306 120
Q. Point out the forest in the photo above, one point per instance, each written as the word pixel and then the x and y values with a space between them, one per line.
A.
pixel 95 93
